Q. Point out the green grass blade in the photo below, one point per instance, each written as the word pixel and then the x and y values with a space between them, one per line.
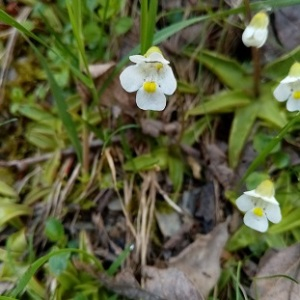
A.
pixel 61 105
pixel 119 261
pixel 24 280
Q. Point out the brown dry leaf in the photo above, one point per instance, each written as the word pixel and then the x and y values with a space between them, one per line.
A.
pixel 194 272
pixel 97 70
pixel 285 262
pixel 170 284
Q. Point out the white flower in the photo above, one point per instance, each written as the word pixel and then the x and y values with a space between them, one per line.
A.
pixel 260 206
pixel 256 33
pixel 289 89
pixel 151 77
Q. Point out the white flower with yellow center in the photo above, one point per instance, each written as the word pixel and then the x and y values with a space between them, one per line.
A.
pixel 289 89
pixel 256 33
pixel 151 77
pixel 260 206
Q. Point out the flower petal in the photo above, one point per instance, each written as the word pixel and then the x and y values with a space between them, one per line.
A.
pixel 260 37
pixel 255 222
pixel 137 58
pixel 293 104
pixel 132 78
pixel 254 194
pixel 157 57
pixel 282 92
pixel 151 101
pixel 247 35
pixel 289 79
pixel 273 213
pixel 167 80
pixel 244 203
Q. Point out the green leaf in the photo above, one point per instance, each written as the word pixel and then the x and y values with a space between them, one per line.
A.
pixel 241 126
pixel 156 159
pixel 229 71
pixel 176 171
pixel 122 25
pixel 58 263
pixel 54 230
pixel 192 133
pixel 38 114
pixel 225 101
pixel 25 278
pixel 242 238
pixel 6 190
pixel 61 105
pixel 9 211
pixel 289 222
pixel 260 141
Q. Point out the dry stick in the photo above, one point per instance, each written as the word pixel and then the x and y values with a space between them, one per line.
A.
pixel 24 163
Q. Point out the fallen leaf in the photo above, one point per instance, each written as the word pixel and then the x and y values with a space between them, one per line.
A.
pixel 200 261
pixel 170 284
pixel 96 70
pixel 169 223
pixel 194 272
pixel 277 274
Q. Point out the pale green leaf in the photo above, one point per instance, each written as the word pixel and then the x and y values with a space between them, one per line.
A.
pixel 6 190
pixel 229 71
pixel 154 160
pixel 225 101
pixel 289 222
pixel 241 126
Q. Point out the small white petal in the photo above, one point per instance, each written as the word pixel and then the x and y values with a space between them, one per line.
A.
pixel 254 194
pixel 260 37
pixel 151 101
pixel 273 213
pixel 167 80
pixel 293 104
pixel 244 203
pixel 282 92
pixel 255 222
pixel 247 35
pixel 157 57
pixel 132 78
pixel 137 58
pixel 289 79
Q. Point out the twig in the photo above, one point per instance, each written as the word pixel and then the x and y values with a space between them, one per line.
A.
pixel 24 163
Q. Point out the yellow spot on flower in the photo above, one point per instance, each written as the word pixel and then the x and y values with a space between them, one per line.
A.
pixel 258 211
pixel 260 20
pixel 296 95
pixel 152 50
pixel 150 86
pixel 266 188
pixel 158 66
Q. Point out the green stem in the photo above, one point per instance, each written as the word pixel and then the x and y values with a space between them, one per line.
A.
pixel 144 26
